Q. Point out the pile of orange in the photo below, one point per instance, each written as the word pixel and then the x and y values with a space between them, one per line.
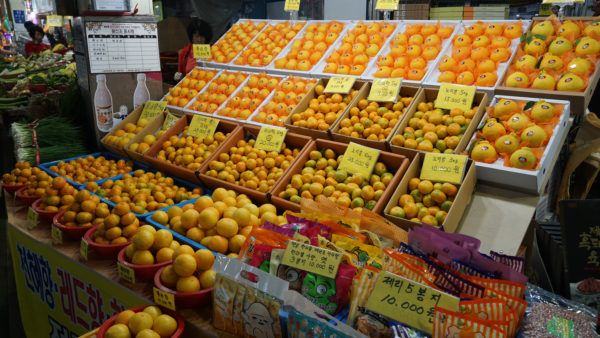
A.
pixel 151 247
pixel 235 40
pixel 306 52
pixel 362 43
pixel 58 195
pixel 190 271
pixel 90 168
pixel 556 55
pixel 477 53
pixel 412 50
pixel 268 44
pixel 189 87
pixel 86 210
pixel 287 95
pixel 121 137
pixel 24 173
pixel 119 226
pixel 250 96
pixel 217 92
pixel 149 323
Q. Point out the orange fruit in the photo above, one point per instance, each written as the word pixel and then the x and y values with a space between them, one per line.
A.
pixel 204 259
pixel 184 265
pixel 218 243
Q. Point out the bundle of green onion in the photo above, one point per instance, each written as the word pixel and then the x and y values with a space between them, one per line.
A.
pixel 57 138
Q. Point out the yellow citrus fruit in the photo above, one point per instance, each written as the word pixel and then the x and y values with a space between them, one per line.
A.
pixel 236 242
pixel 189 218
pixel 174 211
pixel 128 218
pixel 168 277
pixel 120 209
pixel 143 239
pixel 161 217
pixel 124 316
pixel 117 331
pixel 267 207
pixel 188 284
pixel 208 218
pixel 153 311
pixel 227 227
pixel 164 255
pixel 165 325
pixel 162 239
pixel 129 251
pixel 139 322
pixel 425 187
pixel 241 216
pixel 219 194
pixel 203 203
pixel 207 279
pixel 142 257
pixel 147 333
pixel 184 265
pixel 148 227
pixel 204 259
pixel 218 243
pixel 183 249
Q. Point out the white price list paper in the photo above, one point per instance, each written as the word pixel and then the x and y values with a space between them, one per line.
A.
pixel 116 47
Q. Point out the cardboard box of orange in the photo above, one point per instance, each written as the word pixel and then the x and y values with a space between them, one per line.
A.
pixel 292 141
pixel 405 91
pixel 460 203
pixel 151 128
pixel 429 95
pixel 304 104
pixel 226 127
pixel 131 118
pixel 395 163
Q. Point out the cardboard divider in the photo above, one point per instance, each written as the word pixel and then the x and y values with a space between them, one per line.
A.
pixel 176 130
pixel 131 118
pixel 151 128
pixel 405 91
pixel 429 95
pixel 394 162
pixel 460 203
pixel 247 132
pixel 304 103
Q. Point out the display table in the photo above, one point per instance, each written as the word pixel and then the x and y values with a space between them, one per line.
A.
pixel 61 295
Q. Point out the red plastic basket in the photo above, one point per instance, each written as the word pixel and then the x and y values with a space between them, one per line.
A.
pixel 47 215
pixel 69 232
pixel 25 198
pixel 142 272
pixel 184 300
pixel 180 322
pixel 103 250
pixel 11 187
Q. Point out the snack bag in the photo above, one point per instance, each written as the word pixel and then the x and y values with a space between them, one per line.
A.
pixel 238 306
pixel 486 309
pixel 291 275
pixel 223 300
pixel 448 324
pixel 326 210
pixel 260 236
pixel 512 289
pixel 361 254
pixel 388 234
pixel 467 269
pixel 514 262
pixel 329 294
pixel 362 285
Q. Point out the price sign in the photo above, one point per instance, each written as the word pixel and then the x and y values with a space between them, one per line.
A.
pixel 312 259
pixel 163 298
pixel 202 51
pixel 385 90
pixel 359 159
pixel 339 85
pixel 561 1
pixel 455 96
pixel 443 167
pixel 291 5
pixel 126 273
pixel 408 302
pixel 32 218
pixel 386 5
pixel 83 249
pixel 152 109
pixel 169 121
pixel 56 234
pixel 54 20
pixel 270 138
pixel 202 126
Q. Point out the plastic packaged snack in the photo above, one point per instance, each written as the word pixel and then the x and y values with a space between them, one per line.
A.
pixel 454 324
pixel 362 254
pixel 329 294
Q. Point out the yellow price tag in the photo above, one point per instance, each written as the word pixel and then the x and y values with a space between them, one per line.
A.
pixel 32 218
pixel 443 167
pixel 126 273
pixel 169 121
pixel 407 301
pixel 202 51
pixel 455 96
pixel 387 5
pixel 56 234
pixel 202 126
pixel 385 90
pixel 312 259
pixel 561 1
pixel 152 109
pixel 270 138
pixel 291 5
pixel 83 249
pixel 359 159
pixel 54 20
pixel 339 85
pixel 163 298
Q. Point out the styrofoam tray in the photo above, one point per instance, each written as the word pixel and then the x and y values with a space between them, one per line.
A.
pixel 521 179
pixel 369 73
pixel 227 64
pixel 431 79
pixel 206 85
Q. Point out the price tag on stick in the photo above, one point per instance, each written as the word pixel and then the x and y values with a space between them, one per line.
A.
pixel 54 20
pixel 407 301
pixel 312 259
pixel 387 5
pixel 57 235
pixel 202 126
pixel 385 90
pixel 83 249
pixel 339 85
pixel 202 51
pixel 169 121
pixel 455 96
pixel 126 273
pixel 291 5
pixel 270 138
pixel 32 218
pixel 163 298
pixel 443 167
pixel 152 109
pixel 359 159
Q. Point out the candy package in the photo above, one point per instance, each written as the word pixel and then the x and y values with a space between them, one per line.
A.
pixel 261 236
pixel 388 234
pixel 448 324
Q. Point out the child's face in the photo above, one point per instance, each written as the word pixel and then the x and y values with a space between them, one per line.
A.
pixel 38 36
pixel 198 39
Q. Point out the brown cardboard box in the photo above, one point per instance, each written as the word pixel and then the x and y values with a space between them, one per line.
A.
pixel 405 91
pixel 244 133
pixel 151 128
pixel 429 95
pixel 461 201
pixel 395 162
pixel 303 105
pixel 131 118
pixel 189 175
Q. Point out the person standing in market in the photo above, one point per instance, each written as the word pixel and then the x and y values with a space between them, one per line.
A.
pixel 199 32
pixel 35 45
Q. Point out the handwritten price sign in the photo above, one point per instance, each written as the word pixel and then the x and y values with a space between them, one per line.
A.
pixel 201 51
pixel 270 138
pixel 386 5
pixel 55 20
pixel 83 249
pixel 202 126
pixel 339 85
pixel 312 259
pixel 408 302
pixel 385 90
pixel 126 273
pixel 56 234
pixel 443 167
pixel 152 109
pixel 359 159
pixel 32 218
pixel 455 96
pixel 169 121
pixel 291 5
pixel 163 298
